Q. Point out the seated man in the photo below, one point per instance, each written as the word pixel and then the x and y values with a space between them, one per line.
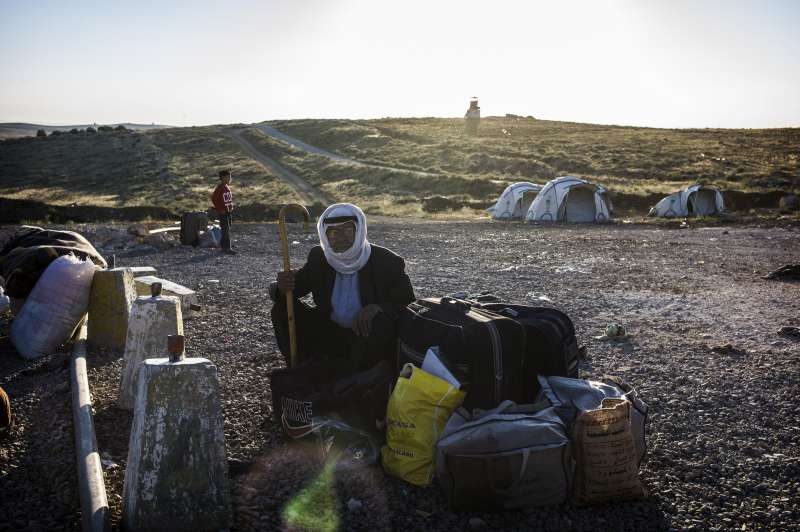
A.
pixel 358 289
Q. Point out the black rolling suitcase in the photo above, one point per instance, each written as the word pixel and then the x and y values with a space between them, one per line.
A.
pixel 550 344
pixel 484 350
pixel 191 224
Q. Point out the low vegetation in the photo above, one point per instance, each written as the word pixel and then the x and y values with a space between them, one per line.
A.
pixel 413 163
pixel 625 159
pixel 174 168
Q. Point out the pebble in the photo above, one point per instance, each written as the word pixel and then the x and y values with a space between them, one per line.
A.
pixel 713 415
pixel 476 523
pixel 354 505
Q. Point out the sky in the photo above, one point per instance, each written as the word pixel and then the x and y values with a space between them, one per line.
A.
pixel 671 63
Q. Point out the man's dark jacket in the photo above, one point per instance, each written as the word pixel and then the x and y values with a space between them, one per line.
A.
pixel 382 281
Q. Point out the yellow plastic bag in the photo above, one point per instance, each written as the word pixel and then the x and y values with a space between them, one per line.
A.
pixel 418 410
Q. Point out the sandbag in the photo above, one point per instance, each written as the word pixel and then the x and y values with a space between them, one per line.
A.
pixel 571 396
pixel 514 456
pixel 418 410
pixel 606 464
pixel 54 307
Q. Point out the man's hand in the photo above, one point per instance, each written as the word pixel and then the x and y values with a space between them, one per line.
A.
pixel 362 325
pixel 286 281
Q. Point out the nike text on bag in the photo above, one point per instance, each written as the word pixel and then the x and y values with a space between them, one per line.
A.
pixel 319 388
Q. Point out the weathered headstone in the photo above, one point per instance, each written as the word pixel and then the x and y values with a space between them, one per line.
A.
pixel 176 478
pixel 152 320
pixel 110 302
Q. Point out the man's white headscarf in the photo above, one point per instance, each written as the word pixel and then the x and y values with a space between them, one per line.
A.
pixel 353 259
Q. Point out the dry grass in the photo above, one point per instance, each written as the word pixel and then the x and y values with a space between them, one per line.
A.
pixel 626 159
pixel 177 167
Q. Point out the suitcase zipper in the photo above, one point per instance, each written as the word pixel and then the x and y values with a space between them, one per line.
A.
pixel 497 352
pixel 498 359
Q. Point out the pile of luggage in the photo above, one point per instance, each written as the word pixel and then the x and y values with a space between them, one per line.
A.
pixel 484 396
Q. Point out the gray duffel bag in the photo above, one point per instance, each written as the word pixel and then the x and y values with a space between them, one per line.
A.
pixel 570 396
pixel 514 456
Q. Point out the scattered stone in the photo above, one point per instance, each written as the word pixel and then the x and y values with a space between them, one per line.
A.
pixel 161 241
pixel 789 203
pixel 354 505
pixel 139 230
pixel 790 332
pixel 790 272
pixel 476 523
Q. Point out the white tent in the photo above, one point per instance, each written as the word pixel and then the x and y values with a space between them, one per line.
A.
pixel 513 203
pixel 696 200
pixel 570 199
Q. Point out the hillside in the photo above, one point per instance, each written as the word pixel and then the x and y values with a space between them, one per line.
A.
pixel 10 130
pixel 412 159
pixel 173 168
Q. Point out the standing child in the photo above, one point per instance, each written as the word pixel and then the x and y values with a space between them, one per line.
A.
pixel 222 198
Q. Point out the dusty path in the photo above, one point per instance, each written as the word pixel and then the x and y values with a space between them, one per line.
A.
pixel 307 192
pixel 297 143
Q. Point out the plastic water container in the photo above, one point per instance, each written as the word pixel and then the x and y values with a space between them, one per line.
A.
pixel 54 307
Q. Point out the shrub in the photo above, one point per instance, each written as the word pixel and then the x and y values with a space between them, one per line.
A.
pixel 105 129
pixel 91 130
pixel 120 128
pixel 41 133
pixel 73 131
pixel 55 133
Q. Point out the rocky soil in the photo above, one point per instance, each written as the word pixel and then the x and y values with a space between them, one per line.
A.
pixel 704 351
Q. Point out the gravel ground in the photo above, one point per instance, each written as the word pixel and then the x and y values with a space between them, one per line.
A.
pixel 704 352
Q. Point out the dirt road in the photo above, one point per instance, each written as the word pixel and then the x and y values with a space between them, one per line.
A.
pixel 297 143
pixel 308 193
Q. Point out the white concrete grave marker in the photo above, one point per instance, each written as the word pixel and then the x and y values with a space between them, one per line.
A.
pixel 152 320
pixel 177 473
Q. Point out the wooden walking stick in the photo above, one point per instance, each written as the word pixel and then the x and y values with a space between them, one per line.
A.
pixel 287 268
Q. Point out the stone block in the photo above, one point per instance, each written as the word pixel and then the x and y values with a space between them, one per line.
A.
pixel 152 320
pixel 110 302
pixel 142 271
pixel 186 296
pixel 177 474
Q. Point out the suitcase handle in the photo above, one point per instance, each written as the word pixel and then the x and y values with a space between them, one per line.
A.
pixel 459 304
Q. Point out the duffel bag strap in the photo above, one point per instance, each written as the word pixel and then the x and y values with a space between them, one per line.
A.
pixel 490 470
